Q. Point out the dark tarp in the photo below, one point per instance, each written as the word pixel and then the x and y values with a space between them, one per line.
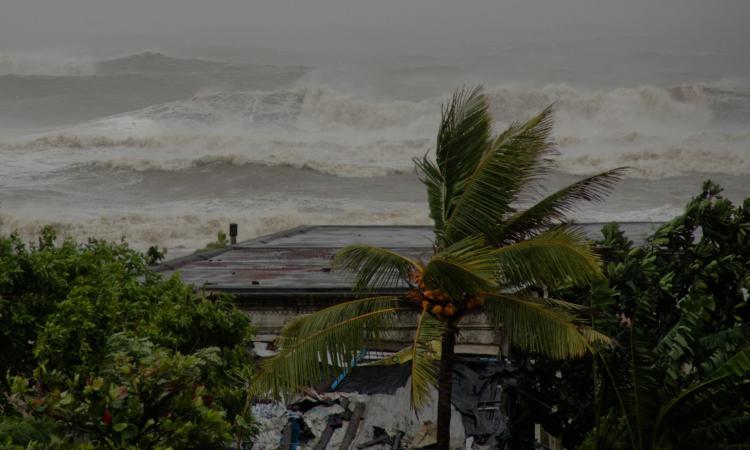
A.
pixel 376 379
pixel 478 392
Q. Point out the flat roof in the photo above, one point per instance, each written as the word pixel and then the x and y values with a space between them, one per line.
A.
pixel 297 262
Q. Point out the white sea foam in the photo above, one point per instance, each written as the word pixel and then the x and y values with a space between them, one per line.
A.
pixel 662 213
pixel 186 225
pixel 300 152
pixel 192 224
pixel 658 132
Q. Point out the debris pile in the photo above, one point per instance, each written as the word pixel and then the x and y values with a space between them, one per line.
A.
pixel 371 410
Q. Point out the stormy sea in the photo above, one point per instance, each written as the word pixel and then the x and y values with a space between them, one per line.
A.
pixel 167 149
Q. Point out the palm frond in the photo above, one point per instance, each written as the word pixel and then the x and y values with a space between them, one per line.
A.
pixel 483 197
pixel 424 367
pixel 373 267
pixel 553 209
pixel 621 402
pixel 737 365
pixel 317 346
pixel 717 429
pixel 733 371
pixel 643 396
pixel 433 180
pixel 554 257
pixel 682 410
pixel 466 266
pixel 678 343
pixel 542 325
pixel 465 129
pixel 722 338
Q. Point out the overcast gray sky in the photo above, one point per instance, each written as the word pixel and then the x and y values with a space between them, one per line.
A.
pixel 384 26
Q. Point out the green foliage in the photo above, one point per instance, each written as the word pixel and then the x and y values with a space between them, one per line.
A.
pixel 155 255
pixel 686 329
pixel 221 242
pixel 678 307
pixel 425 349
pixel 551 258
pixel 144 396
pixel 544 325
pixel 466 267
pixel 79 321
pixel 317 347
pixel 373 267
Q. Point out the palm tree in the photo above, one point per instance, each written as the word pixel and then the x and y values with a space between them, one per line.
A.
pixel 488 256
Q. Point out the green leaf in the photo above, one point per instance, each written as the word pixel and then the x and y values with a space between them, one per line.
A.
pixel 468 266
pixel 374 267
pixel 483 197
pixel 462 140
pixel 551 327
pixel 559 256
pixel 425 351
pixel 553 209
pixel 318 346
pixel 433 180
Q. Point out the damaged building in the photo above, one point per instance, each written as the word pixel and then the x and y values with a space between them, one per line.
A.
pixel 281 276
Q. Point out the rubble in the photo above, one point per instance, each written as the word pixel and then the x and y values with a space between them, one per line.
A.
pixel 370 411
pixel 393 413
pixel 316 419
pixel 271 419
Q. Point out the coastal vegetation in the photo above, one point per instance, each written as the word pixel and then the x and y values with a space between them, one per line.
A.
pixel 615 345
pixel 489 256
pixel 678 309
pixel 97 351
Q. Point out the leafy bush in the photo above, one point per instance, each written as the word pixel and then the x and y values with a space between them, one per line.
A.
pixel 155 255
pixel 222 241
pixel 679 311
pixel 682 368
pixel 86 328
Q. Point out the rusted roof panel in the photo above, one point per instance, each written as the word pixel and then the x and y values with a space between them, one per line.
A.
pixel 298 261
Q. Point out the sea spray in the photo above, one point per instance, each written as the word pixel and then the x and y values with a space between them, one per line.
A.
pixel 658 132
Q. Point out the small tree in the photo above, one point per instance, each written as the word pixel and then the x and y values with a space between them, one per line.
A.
pixel 143 397
pixel 681 377
pixel 488 257
pixel 88 328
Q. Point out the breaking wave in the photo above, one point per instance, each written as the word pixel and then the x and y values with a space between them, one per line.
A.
pixel 188 230
pixel 658 132
pixel 45 64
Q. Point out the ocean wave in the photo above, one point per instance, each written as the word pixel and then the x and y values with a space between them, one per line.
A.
pixel 157 63
pixel 662 213
pixel 660 164
pixel 209 161
pixel 659 132
pixel 72 141
pixel 18 63
pixel 187 231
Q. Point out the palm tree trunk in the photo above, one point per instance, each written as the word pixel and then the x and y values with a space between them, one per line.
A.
pixel 445 388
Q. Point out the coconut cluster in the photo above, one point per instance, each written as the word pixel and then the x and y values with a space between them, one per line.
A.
pixel 438 302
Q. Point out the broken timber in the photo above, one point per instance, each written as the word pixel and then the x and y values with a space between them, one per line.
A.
pixel 351 432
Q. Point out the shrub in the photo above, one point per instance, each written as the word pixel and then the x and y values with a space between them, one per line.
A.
pixel 87 328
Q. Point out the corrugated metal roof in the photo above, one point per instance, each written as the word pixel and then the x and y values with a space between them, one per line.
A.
pixel 297 262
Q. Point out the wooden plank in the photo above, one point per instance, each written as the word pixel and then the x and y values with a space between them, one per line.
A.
pixel 324 438
pixel 286 436
pixel 397 440
pixel 351 431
